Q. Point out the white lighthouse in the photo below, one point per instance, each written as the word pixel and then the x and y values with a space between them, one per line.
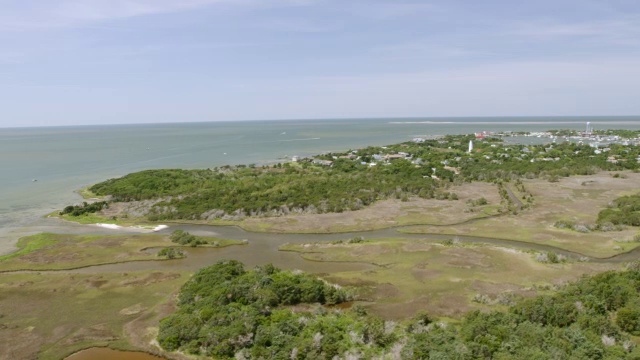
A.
pixel 470 145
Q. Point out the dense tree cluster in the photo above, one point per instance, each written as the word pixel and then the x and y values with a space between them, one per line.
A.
pixel 226 311
pixel 624 211
pixel 560 160
pixel 185 238
pixel 626 134
pixel 171 253
pixel 85 208
pixel 357 178
pixel 201 194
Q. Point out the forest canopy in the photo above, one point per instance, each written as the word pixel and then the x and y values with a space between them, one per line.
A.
pixel 624 211
pixel 351 180
pixel 226 311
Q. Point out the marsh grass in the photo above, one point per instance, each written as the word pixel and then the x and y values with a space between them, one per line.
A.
pixel 47 251
pixel 441 279
pixel 90 310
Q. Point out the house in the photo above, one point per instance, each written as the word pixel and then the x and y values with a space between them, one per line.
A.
pixel 322 162
pixel 455 170
pixel 394 156
pixel 350 156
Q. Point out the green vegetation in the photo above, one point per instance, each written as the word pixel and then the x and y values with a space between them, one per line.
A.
pixel 338 182
pixel 225 312
pixel 87 194
pixel 224 309
pixel 47 251
pixel 478 202
pixel 585 228
pixel 550 257
pixel 94 218
pixel 85 208
pixel 29 244
pixel 171 253
pixel 353 240
pixel 625 134
pixel 90 310
pixel 207 194
pixel 184 238
pixel 623 211
pixel 547 161
pixel 440 277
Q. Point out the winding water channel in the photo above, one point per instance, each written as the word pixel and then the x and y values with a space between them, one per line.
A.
pixel 262 248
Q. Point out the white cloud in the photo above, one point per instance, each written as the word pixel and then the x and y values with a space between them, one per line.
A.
pixel 625 29
pixel 43 14
pixel 109 9
pixel 425 50
pixel 604 86
pixel 382 10
pixel 11 57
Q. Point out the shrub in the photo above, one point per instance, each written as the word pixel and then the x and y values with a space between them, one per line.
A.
pixel 356 240
pixel 171 253
pixel 85 208
pixel 629 320
pixel 564 224
pixel 550 257
pixel 184 238
pixel 581 228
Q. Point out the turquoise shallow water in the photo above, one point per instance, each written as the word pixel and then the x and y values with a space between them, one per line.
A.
pixel 65 159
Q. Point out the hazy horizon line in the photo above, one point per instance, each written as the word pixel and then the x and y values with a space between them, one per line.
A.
pixel 394 120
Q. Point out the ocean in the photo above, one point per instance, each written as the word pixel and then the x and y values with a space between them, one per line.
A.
pixel 43 168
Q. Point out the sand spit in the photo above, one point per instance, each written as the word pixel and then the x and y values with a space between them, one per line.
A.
pixel 135 228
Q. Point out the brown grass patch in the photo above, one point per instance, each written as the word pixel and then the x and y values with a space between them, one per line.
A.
pixel 568 200
pixel 386 213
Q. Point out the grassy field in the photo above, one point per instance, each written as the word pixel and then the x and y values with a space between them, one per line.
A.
pixel 382 214
pixel 89 218
pixel 89 195
pixel 389 213
pixel 418 275
pixel 577 199
pixel 48 251
pixel 49 316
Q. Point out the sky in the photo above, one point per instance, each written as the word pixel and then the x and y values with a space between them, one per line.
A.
pixel 81 62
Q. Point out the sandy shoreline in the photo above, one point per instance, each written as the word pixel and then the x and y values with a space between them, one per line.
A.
pixel 9 236
pixel 134 228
